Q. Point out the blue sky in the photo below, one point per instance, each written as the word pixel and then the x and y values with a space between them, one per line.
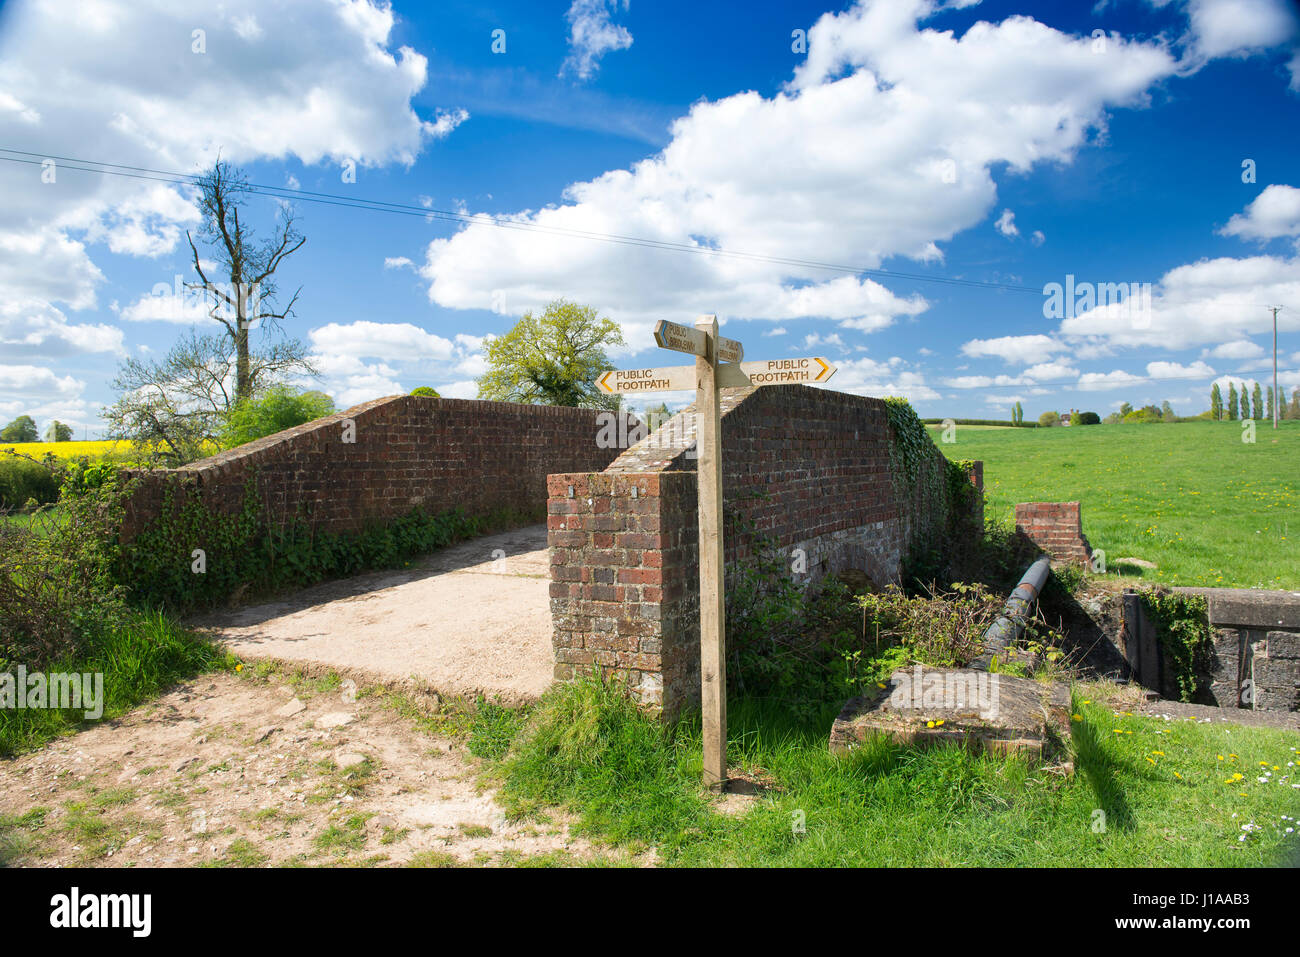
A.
pixel 1004 145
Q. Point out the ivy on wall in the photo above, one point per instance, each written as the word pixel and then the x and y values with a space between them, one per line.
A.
pixel 192 556
pixel 942 490
pixel 1182 624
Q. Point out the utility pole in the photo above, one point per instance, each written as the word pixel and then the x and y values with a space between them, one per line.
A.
pixel 1276 398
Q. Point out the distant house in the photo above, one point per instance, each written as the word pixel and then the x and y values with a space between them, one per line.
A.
pixel 1065 419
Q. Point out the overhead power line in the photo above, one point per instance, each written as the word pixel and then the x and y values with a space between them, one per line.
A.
pixel 406 209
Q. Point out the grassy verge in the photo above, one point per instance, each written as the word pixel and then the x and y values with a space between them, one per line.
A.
pixel 1154 794
pixel 139 657
pixel 1192 497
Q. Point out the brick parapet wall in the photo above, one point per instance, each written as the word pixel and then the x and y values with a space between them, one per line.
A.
pixel 1056 528
pixel 408 452
pixel 804 469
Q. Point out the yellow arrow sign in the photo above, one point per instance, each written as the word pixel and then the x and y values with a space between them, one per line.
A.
pixel 786 371
pixel 667 379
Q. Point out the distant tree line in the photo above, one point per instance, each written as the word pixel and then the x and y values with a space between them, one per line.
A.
pixel 23 429
pixel 1257 404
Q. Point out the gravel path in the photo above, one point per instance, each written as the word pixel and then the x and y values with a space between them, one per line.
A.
pixel 471 619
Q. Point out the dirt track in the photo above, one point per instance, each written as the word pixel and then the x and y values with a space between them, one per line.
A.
pixel 222 771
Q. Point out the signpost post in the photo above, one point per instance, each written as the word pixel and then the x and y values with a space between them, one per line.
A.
pixel 717 366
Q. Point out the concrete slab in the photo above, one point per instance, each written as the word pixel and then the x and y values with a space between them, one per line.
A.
pixel 471 619
pixel 923 706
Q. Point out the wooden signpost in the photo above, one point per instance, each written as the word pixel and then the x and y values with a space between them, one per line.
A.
pixel 717 366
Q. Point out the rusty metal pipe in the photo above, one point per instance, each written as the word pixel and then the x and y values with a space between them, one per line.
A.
pixel 1011 623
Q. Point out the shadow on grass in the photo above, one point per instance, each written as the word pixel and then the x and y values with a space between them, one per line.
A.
pixel 1102 772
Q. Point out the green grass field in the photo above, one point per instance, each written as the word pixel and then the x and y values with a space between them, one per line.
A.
pixel 1206 507
pixel 1145 793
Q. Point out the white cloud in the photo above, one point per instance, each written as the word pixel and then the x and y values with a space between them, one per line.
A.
pixel 1203 303
pixel 163 305
pixel 1236 349
pixel 1274 212
pixel 1014 350
pixel 1238 27
pixel 27 380
pixel 379 340
pixel 461 389
pixel 397 262
pixel 882 145
pixel 592 34
pixel 1006 224
pixel 868 377
pixel 39 329
pixel 1050 371
pixel 1037 237
pixel 814 339
pixel 121 81
pixel 1104 381
pixel 778 331
pixel 1173 370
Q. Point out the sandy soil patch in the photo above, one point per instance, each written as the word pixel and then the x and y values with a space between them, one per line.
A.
pixel 248 770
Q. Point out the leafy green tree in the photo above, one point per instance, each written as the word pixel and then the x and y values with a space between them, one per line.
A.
pixel 1216 402
pixel 1167 411
pixel 1089 418
pixel 1049 419
pixel 426 391
pixel 1125 409
pixel 1295 404
pixel 1018 413
pixel 1268 412
pixel 1232 402
pixel 21 429
pixel 58 432
pixel 552 359
pixel 1257 402
pixel 280 408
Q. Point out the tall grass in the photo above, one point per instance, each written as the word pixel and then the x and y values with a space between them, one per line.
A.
pixel 140 655
pixel 632 780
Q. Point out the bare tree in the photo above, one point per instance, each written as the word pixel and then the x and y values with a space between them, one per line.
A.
pixel 251 266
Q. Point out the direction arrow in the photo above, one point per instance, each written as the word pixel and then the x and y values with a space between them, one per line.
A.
pixel 667 379
pixel 785 371
pixel 679 338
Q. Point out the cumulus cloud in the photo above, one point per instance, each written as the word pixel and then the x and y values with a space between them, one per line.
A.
pixel 1274 212
pixel 869 377
pixel 26 380
pixel 881 145
pixel 316 80
pixel 1174 370
pixel 39 329
pixel 1218 28
pixel 1014 349
pixel 1203 303
pixel 1006 224
pixel 380 340
pixel 1104 381
pixel 1236 349
pixel 592 34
